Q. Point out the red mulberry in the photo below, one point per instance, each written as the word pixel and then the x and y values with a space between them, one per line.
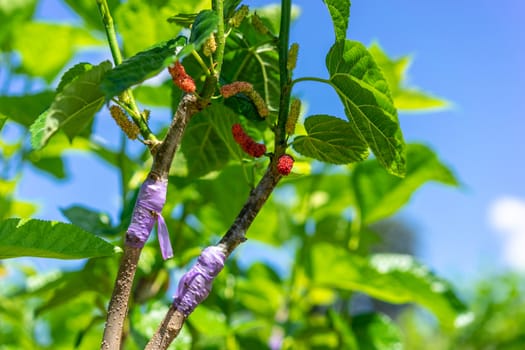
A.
pixel 247 144
pixel 285 164
pixel 181 78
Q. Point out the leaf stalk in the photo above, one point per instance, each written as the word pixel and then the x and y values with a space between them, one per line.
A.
pixel 127 96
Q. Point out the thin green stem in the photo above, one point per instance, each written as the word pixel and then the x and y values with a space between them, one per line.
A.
pixel 110 31
pixel 218 6
pixel 200 61
pixel 284 77
pixel 319 80
pixel 123 168
pixel 127 96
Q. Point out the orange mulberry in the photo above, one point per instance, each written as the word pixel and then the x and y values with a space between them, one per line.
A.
pixel 181 78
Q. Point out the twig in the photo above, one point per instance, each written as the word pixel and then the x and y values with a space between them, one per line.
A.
pixel 163 157
pixel 218 6
pixel 236 234
pixel 127 96
pixel 118 306
pixel 188 106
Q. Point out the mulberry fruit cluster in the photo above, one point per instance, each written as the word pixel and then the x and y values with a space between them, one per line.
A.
pixel 247 144
pixel 285 164
pixel 181 78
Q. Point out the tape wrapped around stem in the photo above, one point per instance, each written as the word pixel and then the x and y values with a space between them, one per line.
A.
pixel 147 212
pixel 195 285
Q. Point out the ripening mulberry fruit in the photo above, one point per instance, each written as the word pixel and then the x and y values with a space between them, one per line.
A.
pixel 259 25
pixel 210 46
pixel 246 88
pixel 181 78
pixel 295 110
pixel 285 164
pixel 239 16
pixel 247 144
pixel 232 89
pixel 130 129
pixel 292 56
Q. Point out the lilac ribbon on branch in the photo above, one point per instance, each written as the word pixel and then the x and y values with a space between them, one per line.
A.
pixel 147 212
pixel 195 285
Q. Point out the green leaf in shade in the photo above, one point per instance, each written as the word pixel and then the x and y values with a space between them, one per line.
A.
pixel 49 239
pixel 342 326
pixel 33 40
pixel 73 73
pixel 9 206
pixel 68 286
pixel 138 68
pixel 155 96
pixel 340 13
pixel 229 8
pixel 271 15
pixel 368 105
pixel 260 291
pixel 208 321
pixel 250 57
pixel 88 219
pixel 376 331
pixel 88 10
pixel 379 195
pixel 59 144
pixel 143 24
pixel 405 98
pixel 208 142
pixel 393 278
pixel 51 165
pixel 2 121
pixel 331 140
pixel 203 148
pixel 223 197
pixel 12 13
pixel 24 109
pixel 322 197
pixel 243 106
pixel 73 109
pixel 205 24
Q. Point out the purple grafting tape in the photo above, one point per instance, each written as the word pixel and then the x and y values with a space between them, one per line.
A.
pixel 195 285
pixel 147 211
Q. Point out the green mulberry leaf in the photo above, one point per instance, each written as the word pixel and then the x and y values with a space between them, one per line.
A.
pixel 49 239
pixel 340 13
pixel 332 140
pixel 73 108
pixel 139 67
pixel 368 104
pixel 394 278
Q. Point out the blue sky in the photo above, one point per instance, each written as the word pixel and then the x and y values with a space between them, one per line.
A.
pixel 469 52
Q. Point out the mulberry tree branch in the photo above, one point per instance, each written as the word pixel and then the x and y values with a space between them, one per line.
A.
pixel 127 96
pixel 236 234
pixel 195 285
pixel 118 306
